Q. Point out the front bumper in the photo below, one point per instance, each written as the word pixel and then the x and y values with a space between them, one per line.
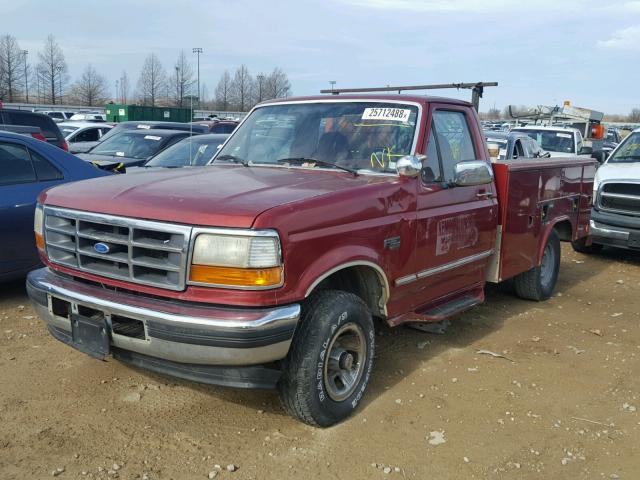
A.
pixel 615 230
pixel 172 335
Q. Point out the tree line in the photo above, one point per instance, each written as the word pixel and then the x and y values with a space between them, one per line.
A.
pixel 47 81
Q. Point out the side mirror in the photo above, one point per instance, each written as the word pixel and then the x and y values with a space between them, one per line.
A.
pixel 585 151
pixel 410 165
pixel 600 156
pixel 476 172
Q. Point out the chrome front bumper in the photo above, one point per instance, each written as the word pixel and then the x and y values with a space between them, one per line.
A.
pixel 173 331
pixel 606 232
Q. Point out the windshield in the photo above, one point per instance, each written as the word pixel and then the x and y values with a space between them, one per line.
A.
pixel 552 140
pixel 355 135
pixel 189 152
pixel 129 144
pixel 628 151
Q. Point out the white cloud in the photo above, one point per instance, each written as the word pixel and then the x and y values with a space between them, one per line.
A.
pixel 623 39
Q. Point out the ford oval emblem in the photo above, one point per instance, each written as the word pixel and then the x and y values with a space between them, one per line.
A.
pixel 101 247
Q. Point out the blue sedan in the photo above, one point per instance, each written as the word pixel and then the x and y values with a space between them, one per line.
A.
pixel 27 167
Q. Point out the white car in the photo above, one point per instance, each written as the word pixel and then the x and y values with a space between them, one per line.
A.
pixel 75 132
pixel 615 216
pixel 58 116
pixel 89 117
pixel 558 141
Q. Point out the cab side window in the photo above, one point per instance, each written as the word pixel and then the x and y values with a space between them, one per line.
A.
pixel 453 136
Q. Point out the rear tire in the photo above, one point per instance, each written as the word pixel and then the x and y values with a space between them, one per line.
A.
pixel 580 247
pixel 330 360
pixel 538 283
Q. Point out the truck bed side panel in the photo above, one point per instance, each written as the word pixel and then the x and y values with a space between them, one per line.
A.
pixel 535 196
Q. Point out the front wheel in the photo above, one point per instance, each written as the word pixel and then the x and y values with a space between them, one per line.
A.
pixel 538 283
pixel 329 363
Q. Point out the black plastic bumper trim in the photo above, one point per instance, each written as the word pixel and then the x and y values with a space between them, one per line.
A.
pixel 195 336
pixel 616 220
pixel 257 377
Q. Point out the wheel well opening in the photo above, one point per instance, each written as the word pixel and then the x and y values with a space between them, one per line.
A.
pixel 363 281
pixel 563 229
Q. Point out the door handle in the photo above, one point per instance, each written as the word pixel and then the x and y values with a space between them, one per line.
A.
pixel 484 194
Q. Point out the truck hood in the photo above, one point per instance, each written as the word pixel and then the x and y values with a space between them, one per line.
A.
pixel 225 196
pixel 617 171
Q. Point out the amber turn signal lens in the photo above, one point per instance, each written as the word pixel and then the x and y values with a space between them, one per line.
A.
pixel 236 277
pixel 39 242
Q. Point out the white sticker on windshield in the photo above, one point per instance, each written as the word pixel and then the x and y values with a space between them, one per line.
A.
pixel 393 114
pixel 147 127
pixel 563 135
pixel 119 154
pixel 152 137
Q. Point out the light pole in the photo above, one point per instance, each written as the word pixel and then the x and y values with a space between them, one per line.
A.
pixel 332 83
pixel 26 77
pixel 198 51
pixel 117 92
pixel 260 80
pixel 178 88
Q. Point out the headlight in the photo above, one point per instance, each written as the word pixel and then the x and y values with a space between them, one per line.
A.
pixel 240 261
pixel 37 226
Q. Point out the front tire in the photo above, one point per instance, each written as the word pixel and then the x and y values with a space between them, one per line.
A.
pixel 330 360
pixel 538 283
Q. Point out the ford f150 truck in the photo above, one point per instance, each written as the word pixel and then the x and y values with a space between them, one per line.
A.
pixel 318 216
pixel 615 219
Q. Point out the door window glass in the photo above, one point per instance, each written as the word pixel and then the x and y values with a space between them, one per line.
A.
pixel 431 166
pixel 44 170
pixel 454 140
pixel 15 165
pixel 88 135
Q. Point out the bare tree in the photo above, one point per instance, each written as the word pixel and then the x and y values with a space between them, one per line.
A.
pixel 152 81
pixel 124 87
pixel 223 92
pixel 241 89
pixel 182 79
pixel 12 71
pixel 52 68
pixel 634 116
pixel 277 84
pixel 90 89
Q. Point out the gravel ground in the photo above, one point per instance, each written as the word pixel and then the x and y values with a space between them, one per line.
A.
pixel 559 402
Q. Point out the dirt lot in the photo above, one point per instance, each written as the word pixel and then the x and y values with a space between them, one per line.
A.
pixel 561 404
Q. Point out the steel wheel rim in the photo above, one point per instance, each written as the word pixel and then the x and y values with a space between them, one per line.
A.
pixel 345 361
pixel 546 268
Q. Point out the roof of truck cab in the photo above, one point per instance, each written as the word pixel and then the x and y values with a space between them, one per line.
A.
pixel 544 127
pixel 373 97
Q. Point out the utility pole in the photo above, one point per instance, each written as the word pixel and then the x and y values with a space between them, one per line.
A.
pixel 117 91
pixel 198 51
pixel 26 77
pixel 333 84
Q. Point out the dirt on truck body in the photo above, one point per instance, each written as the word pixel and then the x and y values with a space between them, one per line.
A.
pixel 318 216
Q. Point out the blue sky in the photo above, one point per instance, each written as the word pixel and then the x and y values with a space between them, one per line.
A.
pixel 541 52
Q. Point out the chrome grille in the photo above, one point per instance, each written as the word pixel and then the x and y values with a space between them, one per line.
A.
pixel 139 251
pixel 621 198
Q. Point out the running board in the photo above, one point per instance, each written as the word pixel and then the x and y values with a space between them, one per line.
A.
pixel 436 319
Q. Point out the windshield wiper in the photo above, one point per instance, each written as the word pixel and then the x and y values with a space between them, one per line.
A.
pixel 232 158
pixel 301 160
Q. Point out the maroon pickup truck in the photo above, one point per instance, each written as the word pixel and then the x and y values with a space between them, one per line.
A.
pixel 318 218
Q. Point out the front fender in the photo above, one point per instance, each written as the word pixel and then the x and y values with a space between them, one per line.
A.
pixel 337 259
